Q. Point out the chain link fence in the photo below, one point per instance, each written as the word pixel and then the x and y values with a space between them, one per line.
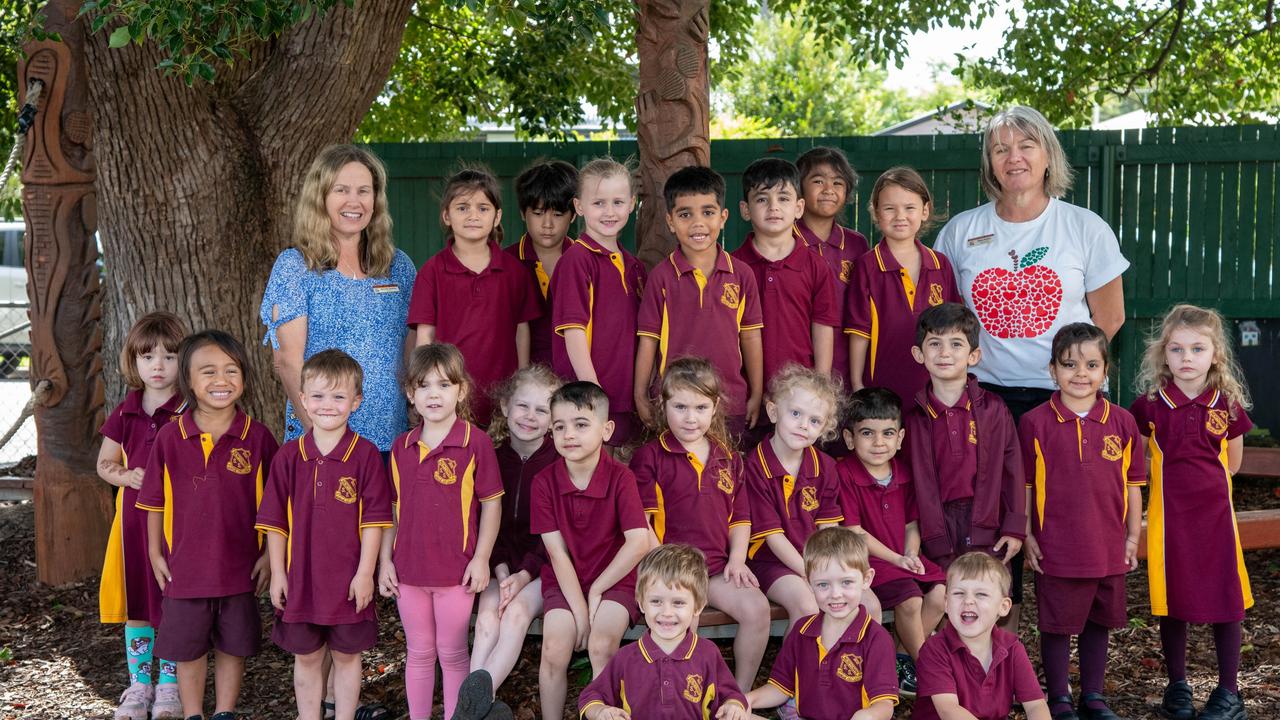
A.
pixel 17 439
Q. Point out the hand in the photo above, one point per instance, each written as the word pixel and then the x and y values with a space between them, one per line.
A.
pixel 476 577
pixel 732 710
pixel 160 568
pixel 582 621
pixel 1011 547
pixel 261 574
pixel 740 575
pixel 133 478
pixel 279 590
pixel 753 410
pixel 644 408
pixel 593 604
pixel 511 587
pixel 388 581
pixel 361 590
pixel 1131 553
pixel 612 713
pixel 910 563
pixel 1031 549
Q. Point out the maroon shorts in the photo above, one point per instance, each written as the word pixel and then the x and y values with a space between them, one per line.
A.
pixel 769 572
pixel 1065 604
pixel 554 599
pixel 626 429
pixel 191 627
pixel 895 592
pixel 958 514
pixel 303 638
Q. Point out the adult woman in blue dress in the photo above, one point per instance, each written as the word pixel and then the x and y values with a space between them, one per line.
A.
pixel 343 285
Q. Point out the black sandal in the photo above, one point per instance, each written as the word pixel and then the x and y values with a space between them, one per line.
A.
pixel 1068 714
pixel 328 710
pixel 373 711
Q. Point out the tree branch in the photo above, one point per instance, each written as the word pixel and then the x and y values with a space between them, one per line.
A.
pixel 1155 67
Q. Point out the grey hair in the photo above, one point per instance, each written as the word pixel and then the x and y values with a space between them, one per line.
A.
pixel 1027 121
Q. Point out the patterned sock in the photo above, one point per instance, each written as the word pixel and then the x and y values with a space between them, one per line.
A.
pixel 168 672
pixel 137 644
pixel 1173 640
pixel 1227 640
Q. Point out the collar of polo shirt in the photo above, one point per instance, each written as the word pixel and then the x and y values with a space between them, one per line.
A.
pixel 1099 413
pixel 1175 398
pixel 684 651
pixel 458 436
pixel 191 431
pixel 341 451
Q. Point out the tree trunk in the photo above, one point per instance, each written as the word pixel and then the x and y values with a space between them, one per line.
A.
pixel 196 186
pixel 673 109
pixel 72 506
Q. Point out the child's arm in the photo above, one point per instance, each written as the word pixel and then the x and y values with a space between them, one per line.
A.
pixel 911 546
pixel 1235 453
pixel 579 351
pixel 1030 545
pixel 277 548
pixel 948 707
pixel 523 340
pixel 786 553
pixel 388 581
pixel 646 349
pixel 767 696
pixel 736 570
pixel 567 578
pixel 111 469
pixel 361 589
pixel 884 552
pixel 878 710
pixel 752 345
pixel 1012 496
pixel 425 334
pixel 823 344
pixel 476 576
pixel 1133 523
pixel 634 547
pixel 1037 710
pixel 155 532
pixel 858 346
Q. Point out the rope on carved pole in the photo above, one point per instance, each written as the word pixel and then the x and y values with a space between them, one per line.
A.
pixel 26 118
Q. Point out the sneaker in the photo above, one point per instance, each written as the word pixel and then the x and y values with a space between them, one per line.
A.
pixel 906 676
pixel 475 696
pixel 499 711
pixel 1223 705
pixel 167 705
pixel 1176 704
pixel 135 702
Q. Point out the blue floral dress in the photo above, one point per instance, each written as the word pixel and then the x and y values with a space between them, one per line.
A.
pixel 364 318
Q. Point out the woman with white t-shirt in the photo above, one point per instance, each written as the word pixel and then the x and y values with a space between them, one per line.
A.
pixel 1028 263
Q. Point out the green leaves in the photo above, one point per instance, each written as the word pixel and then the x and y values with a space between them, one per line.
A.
pixel 1033 257
pixel 119 37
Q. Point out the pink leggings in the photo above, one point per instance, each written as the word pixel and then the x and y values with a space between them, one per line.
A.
pixel 435 622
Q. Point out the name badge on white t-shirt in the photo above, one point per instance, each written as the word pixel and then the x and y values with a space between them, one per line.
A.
pixel 388 288
pixel 980 240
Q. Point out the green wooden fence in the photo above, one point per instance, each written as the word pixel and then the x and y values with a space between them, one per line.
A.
pixel 1197 210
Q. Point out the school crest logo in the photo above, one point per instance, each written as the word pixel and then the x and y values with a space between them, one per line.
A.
pixel 725 482
pixel 731 296
pixel 239 462
pixel 935 294
pixel 346 491
pixel 973 433
pixel 850 669
pixel 846 269
pixel 1216 422
pixel 809 498
pixel 693 688
pixel 446 471
pixel 1112 448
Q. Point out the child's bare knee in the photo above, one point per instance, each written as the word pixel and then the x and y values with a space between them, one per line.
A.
pixel 602 643
pixel 910 606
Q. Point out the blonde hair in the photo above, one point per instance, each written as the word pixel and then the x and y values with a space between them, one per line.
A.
pixel 311 226
pixel 469 180
pixel 683 567
pixel 908 179
pixel 603 168
pixel 699 376
pixel 1028 121
pixel 152 329
pixel 837 544
pixel 335 366
pixel 1225 374
pixel 827 389
pixel 980 566
pixel 537 374
pixel 445 359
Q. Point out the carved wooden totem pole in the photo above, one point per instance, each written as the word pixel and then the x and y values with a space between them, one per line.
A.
pixel 673 108
pixel 73 507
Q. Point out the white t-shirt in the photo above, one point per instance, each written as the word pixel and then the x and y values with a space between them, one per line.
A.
pixel 1026 280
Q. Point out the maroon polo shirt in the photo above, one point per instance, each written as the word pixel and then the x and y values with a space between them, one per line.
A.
pixel 795 293
pixel 1195 564
pixel 688 313
pixel 478 312
pixel 692 683
pixel 834 683
pixel 320 503
pixel 135 430
pixel 540 330
pixel 884 513
pixel 1080 470
pixel 591 521
pixel 953 433
pixel 438 491
pixel 598 292
pixel 691 503
pixel 883 304
pixel 517 547
pixel 209 494
pixel 946 667
pixel 787 504
pixel 840 250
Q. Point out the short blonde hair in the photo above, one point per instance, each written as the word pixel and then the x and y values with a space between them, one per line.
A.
pixel 152 329
pixel 1028 121
pixel 794 375
pixel 335 366
pixel 980 566
pixel 836 544
pixel 676 565
pixel 537 374
pixel 603 168
pixel 311 225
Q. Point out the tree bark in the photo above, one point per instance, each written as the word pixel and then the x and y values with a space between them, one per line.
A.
pixel 197 185
pixel 673 109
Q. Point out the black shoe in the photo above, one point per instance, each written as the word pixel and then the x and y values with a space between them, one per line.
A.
pixel 475 696
pixel 1068 714
pixel 1087 713
pixel 499 711
pixel 224 715
pixel 906 676
pixel 1177 702
pixel 1223 705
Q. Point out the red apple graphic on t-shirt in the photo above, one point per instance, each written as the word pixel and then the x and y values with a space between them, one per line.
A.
pixel 1018 303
